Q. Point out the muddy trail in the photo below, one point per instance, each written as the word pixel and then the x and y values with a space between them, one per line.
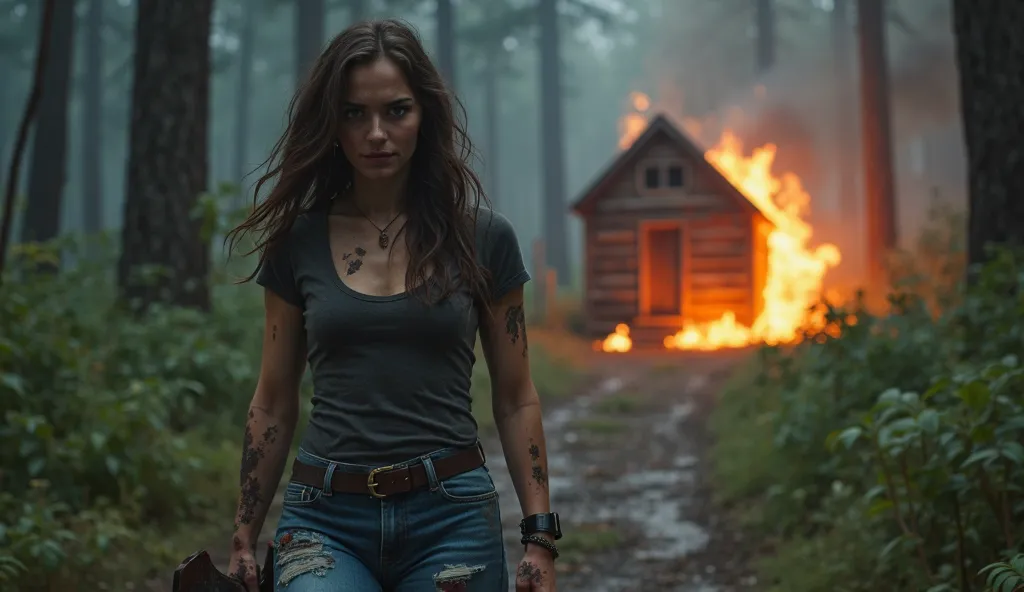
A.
pixel 627 470
pixel 627 475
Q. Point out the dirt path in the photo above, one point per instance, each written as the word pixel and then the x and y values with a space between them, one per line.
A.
pixel 627 476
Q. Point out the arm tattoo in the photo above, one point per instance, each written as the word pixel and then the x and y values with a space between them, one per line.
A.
pixel 273 333
pixel 540 476
pixel 252 452
pixel 515 325
pixel 354 263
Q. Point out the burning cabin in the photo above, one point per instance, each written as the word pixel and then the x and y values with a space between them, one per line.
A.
pixel 669 241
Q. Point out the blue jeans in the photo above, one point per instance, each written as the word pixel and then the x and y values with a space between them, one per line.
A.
pixel 444 538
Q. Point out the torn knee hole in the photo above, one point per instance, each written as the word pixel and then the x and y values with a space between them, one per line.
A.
pixel 455 578
pixel 300 552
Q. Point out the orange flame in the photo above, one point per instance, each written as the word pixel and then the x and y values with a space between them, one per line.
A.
pixel 795 271
pixel 618 342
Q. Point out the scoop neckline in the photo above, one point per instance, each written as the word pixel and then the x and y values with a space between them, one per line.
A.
pixel 325 236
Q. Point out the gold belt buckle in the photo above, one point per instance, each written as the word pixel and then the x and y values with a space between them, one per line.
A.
pixel 372 484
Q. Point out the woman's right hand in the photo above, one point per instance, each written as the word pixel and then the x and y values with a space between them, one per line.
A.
pixel 243 566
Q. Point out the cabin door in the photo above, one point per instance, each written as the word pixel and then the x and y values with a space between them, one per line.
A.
pixel 662 271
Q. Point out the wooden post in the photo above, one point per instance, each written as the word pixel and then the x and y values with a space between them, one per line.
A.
pixel 552 312
pixel 539 280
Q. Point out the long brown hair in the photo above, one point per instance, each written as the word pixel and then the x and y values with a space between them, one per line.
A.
pixel 307 170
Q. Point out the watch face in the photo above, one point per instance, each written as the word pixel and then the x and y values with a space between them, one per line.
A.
pixel 548 523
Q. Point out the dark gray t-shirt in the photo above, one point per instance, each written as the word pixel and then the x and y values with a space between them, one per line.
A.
pixel 391 375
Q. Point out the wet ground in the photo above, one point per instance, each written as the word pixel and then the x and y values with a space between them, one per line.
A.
pixel 627 476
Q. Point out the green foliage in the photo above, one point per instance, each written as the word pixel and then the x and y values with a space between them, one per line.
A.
pixel 890 457
pixel 120 434
pixel 107 420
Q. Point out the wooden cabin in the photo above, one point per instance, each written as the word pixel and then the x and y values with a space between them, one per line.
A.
pixel 668 239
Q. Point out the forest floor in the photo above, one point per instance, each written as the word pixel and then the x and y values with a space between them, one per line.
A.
pixel 628 474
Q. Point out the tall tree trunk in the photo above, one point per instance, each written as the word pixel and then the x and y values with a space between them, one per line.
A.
pixel 92 121
pixel 991 59
pixel 880 206
pixel 27 117
pixel 845 115
pixel 167 157
pixel 244 103
pixel 765 35
pixel 446 41
pixel 358 10
pixel 552 138
pixel 48 169
pixel 309 35
pixel 492 117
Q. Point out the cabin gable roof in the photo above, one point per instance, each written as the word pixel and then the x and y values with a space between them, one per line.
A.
pixel 624 163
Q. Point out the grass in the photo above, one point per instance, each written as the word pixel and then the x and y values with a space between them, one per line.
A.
pixel 621 404
pixel 599 426
pixel 586 539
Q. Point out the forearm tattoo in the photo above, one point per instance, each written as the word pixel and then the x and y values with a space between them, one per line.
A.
pixel 252 452
pixel 540 476
pixel 515 325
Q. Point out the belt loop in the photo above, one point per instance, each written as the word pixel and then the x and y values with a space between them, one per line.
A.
pixel 480 446
pixel 428 468
pixel 328 488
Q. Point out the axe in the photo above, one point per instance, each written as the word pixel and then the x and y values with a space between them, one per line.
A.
pixel 197 573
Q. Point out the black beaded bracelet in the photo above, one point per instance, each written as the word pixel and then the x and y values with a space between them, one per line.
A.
pixel 543 542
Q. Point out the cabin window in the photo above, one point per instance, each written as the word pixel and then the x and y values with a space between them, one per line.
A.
pixel 675 175
pixel 659 175
pixel 652 177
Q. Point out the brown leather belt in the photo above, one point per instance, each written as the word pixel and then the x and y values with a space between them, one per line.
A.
pixel 386 481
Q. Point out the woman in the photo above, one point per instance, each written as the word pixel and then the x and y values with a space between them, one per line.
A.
pixel 379 267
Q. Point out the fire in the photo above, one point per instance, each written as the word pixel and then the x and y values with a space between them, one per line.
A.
pixel 795 270
pixel 618 342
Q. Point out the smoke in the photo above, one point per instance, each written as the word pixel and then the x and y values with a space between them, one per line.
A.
pixel 813 119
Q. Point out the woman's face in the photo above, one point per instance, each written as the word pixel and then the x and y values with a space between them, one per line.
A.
pixel 380 120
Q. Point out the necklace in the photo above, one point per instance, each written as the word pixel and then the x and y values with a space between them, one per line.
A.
pixel 383 240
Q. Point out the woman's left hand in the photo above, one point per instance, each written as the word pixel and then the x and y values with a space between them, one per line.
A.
pixel 536 572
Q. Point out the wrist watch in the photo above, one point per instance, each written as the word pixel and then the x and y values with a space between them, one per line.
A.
pixel 547 523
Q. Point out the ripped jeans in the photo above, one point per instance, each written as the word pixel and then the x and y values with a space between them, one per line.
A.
pixel 444 538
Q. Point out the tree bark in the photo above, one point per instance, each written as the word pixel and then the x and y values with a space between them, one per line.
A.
pixel 27 117
pixel 244 106
pixel 492 117
pixel 310 16
pixel 92 121
pixel 48 168
pixel 358 11
pixel 165 257
pixel 990 54
pixel 446 42
pixel 845 116
pixel 765 35
pixel 876 140
pixel 552 142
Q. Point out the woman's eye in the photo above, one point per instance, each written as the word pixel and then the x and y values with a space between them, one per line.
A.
pixel 399 111
pixel 352 113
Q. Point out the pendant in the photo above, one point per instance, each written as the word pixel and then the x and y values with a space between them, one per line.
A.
pixel 383 240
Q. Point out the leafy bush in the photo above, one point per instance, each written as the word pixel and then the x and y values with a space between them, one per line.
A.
pixel 106 420
pixel 890 457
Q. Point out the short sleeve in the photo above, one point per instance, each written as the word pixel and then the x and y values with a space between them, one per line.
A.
pixel 278 275
pixel 501 253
